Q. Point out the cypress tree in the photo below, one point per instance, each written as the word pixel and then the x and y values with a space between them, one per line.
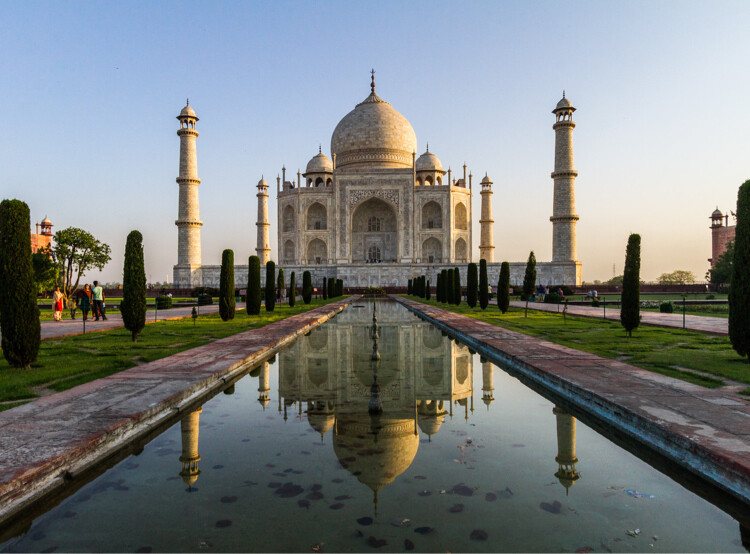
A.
pixel 630 302
pixel 438 284
pixel 420 286
pixel 307 288
pixel 529 280
pixel 292 290
pixel 450 288
pixel 427 290
pixel 339 287
pixel 280 284
pixel 270 286
pixel 739 290
pixel 444 285
pixel 331 287
pixel 324 288
pixel 484 285
pixel 133 305
pixel 408 287
pixel 503 288
pixel 226 285
pixel 457 285
pixel 252 300
pixel 472 284
pixel 19 313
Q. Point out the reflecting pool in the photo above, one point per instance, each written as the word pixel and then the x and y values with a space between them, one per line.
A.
pixel 380 435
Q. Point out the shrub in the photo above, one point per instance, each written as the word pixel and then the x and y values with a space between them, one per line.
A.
pixel 226 286
pixel 270 288
pixel 503 287
pixel 739 292
pixel 666 308
pixel 331 287
pixel 205 299
pixel 163 302
pixel 339 287
pixel 710 297
pixel 133 305
pixel 210 291
pixel 307 288
pixel 484 285
pixel 374 291
pixel 552 298
pixel 252 302
pixel 472 284
pixel 594 303
pixel 444 286
pixel 408 287
pixel 450 287
pixel 292 290
pixel 19 313
pixel 630 311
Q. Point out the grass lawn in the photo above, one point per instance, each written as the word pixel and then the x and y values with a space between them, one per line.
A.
pixel 66 362
pixel 666 351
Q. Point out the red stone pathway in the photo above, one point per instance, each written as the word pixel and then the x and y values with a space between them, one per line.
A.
pixel 706 431
pixel 702 324
pixel 66 432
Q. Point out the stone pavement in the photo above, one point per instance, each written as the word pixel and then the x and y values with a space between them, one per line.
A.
pixel 706 431
pixel 56 437
pixel 703 324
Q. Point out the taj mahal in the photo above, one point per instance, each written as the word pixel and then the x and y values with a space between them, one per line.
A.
pixel 375 213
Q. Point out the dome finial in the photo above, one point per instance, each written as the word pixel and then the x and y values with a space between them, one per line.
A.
pixel 563 93
pixel 320 148
pixel 187 100
pixel 428 146
pixel 372 84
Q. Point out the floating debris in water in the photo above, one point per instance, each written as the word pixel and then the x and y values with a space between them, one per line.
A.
pixel 228 499
pixel 633 532
pixel 635 494
pixel 507 493
pixel 408 545
pixel 424 493
pixel 401 522
pixel 218 466
pixel 478 535
pixel 584 550
pixel 336 506
pixel 222 523
pixel 365 520
pixel 420 477
pixel 289 490
pixel 343 497
pixel 553 508
pixel 490 497
pixel 303 503
pixel 317 547
pixel 424 530
pixel 456 508
pixel 376 543
pixel 462 490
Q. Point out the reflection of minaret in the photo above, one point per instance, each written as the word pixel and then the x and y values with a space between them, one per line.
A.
pixel 190 457
pixel 263 388
pixel 566 448
pixel 487 388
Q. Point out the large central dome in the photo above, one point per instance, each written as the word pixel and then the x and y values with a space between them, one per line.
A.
pixel 373 134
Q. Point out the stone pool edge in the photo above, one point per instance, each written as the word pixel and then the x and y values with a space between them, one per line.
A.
pixel 23 485
pixel 725 469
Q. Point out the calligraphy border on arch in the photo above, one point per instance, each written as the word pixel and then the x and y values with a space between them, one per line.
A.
pixel 356 196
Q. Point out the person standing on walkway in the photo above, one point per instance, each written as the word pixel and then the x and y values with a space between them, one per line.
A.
pixel 84 300
pixel 57 303
pixel 98 301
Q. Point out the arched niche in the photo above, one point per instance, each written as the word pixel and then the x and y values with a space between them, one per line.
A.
pixel 432 250
pixel 432 215
pixel 289 252
pixel 461 219
pixel 288 219
pixel 374 232
pixel 317 217
pixel 317 252
pixel 460 250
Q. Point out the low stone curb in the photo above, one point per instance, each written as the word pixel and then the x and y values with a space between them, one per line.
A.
pixel 57 437
pixel 702 430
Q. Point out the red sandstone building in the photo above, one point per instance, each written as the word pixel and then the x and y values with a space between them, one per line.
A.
pixel 721 234
pixel 43 239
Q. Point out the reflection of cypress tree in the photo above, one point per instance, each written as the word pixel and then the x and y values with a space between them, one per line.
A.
pixel 503 288
pixel 270 286
pixel 226 286
pixel 739 290
pixel 630 310
pixel 253 285
pixel 484 285
pixel 133 305
pixel 19 313
pixel 472 285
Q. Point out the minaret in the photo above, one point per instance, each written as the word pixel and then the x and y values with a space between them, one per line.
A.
pixel 486 241
pixel 487 384
pixel 564 218
pixel 190 457
pixel 264 246
pixel 566 448
pixel 188 218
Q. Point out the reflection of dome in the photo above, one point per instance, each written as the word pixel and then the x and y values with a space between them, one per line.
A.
pixel 374 133
pixel 431 425
pixel 321 422
pixel 320 163
pixel 376 461
pixel 428 162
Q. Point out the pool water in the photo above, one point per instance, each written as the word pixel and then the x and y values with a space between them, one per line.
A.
pixel 429 448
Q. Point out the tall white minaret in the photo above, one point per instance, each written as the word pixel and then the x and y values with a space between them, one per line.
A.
pixel 486 240
pixel 564 218
pixel 188 217
pixel 264 246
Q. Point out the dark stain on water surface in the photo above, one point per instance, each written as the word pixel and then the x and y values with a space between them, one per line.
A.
pixel 228 499
pixel 376 543
pixel 553 508
pixel 289 490
pixel 343 497
pixel 218 466
pixel 315 495
pixel 462 490
pixel 424 493
pixel 316 487
pixel 456 508
pixel 365 520
pixel 408 545
pixel 490 497
pixel 337 506
pixel 303 503
pixel 425 530
pixel 478 535
pixel 274 485
pixel 222 523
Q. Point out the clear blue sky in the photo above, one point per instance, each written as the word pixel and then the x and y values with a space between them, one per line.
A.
pixel 89 94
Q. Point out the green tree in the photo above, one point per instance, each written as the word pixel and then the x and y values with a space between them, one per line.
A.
pixel 484 285
pixel 280 283
pixel 270 286
pixel 472 285
pixel 630 302
pixel 721 272
pixel 457 286
pixel 307 288
pixel 444 285
pixel 226 285
pixel 45 271
pixel 75 252
pixel 529 280
pixel 408 287
pixel 450 287
pixel 331 287
pixel 739 289
pixel 616 280
pixel 292 290
pixel 19 313
pixel 677 277
pixel 339 287
pixel 438 287
pixel 324 289
pixel 252 300
pixel 133 305
pixel 503 287
pixel 427 290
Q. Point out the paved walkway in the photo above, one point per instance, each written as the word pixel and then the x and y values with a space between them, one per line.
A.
pixel 54 437
pixel 703 324
pixel 706 431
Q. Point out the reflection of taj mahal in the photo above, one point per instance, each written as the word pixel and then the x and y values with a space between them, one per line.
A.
pixel 377 213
